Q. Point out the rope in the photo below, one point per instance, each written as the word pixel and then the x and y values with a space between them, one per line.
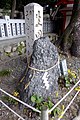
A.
pixel 68 106
pixel 27 85
pixel 12 110
pixel 44 70
pixel 20 101
pixel 24 75
pixel 63 97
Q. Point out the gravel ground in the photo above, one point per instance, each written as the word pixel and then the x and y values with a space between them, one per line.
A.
pixel 10 83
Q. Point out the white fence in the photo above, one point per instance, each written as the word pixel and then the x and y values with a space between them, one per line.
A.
pixel 44 113
pixel 10 28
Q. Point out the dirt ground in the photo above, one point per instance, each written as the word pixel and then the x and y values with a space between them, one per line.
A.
pixel 17 66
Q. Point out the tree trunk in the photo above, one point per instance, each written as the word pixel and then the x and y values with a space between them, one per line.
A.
pixel 13 8
pixel 68 38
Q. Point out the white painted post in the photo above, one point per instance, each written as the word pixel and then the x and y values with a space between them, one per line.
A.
pixel 44 114
pixel 33 25
pixel 13 29
pixel 63 66
pixel 2 30
pixel 8 26
pixel 18 29
pixel 22 29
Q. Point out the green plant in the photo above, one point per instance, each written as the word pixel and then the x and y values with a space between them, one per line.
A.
pixel 9 100
pixel 68 81
pixel 37 100
pixel 72 74
pixel 77 88
pixel 8 54
pixel 56 111
pixel 20 48
pixel 6 12
pixel 6 8
pixel 39 103
pixel 4 73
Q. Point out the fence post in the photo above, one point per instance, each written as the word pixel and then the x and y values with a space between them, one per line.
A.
pixel 44 113
pixel 33 25
pixel 2 30
pixel 8 26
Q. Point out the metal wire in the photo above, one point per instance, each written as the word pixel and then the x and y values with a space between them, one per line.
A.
pixel 12 110
pixel 20 101
pixel 48 110
pixel 68 105
pixel 63 97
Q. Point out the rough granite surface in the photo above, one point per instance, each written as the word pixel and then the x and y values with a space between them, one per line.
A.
pixel 44 56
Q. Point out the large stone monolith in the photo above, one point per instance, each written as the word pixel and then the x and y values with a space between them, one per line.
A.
pixel 43 70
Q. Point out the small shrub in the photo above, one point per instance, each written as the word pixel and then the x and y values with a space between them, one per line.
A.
pixel 9 100
pixel 20 47
pixel 4 73
pixel 39 103
pixel 66 81
pixel 8 54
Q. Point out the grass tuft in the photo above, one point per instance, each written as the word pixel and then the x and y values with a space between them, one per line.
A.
pixel 4 73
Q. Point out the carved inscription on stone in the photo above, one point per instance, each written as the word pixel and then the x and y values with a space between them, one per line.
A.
pixel 34 25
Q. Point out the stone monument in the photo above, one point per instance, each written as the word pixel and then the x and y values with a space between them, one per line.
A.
pixel 33 25
pixel 43 71
pixel 43 68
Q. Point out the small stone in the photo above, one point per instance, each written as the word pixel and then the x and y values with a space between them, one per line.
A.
pixel 14 49
pixel 8 49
